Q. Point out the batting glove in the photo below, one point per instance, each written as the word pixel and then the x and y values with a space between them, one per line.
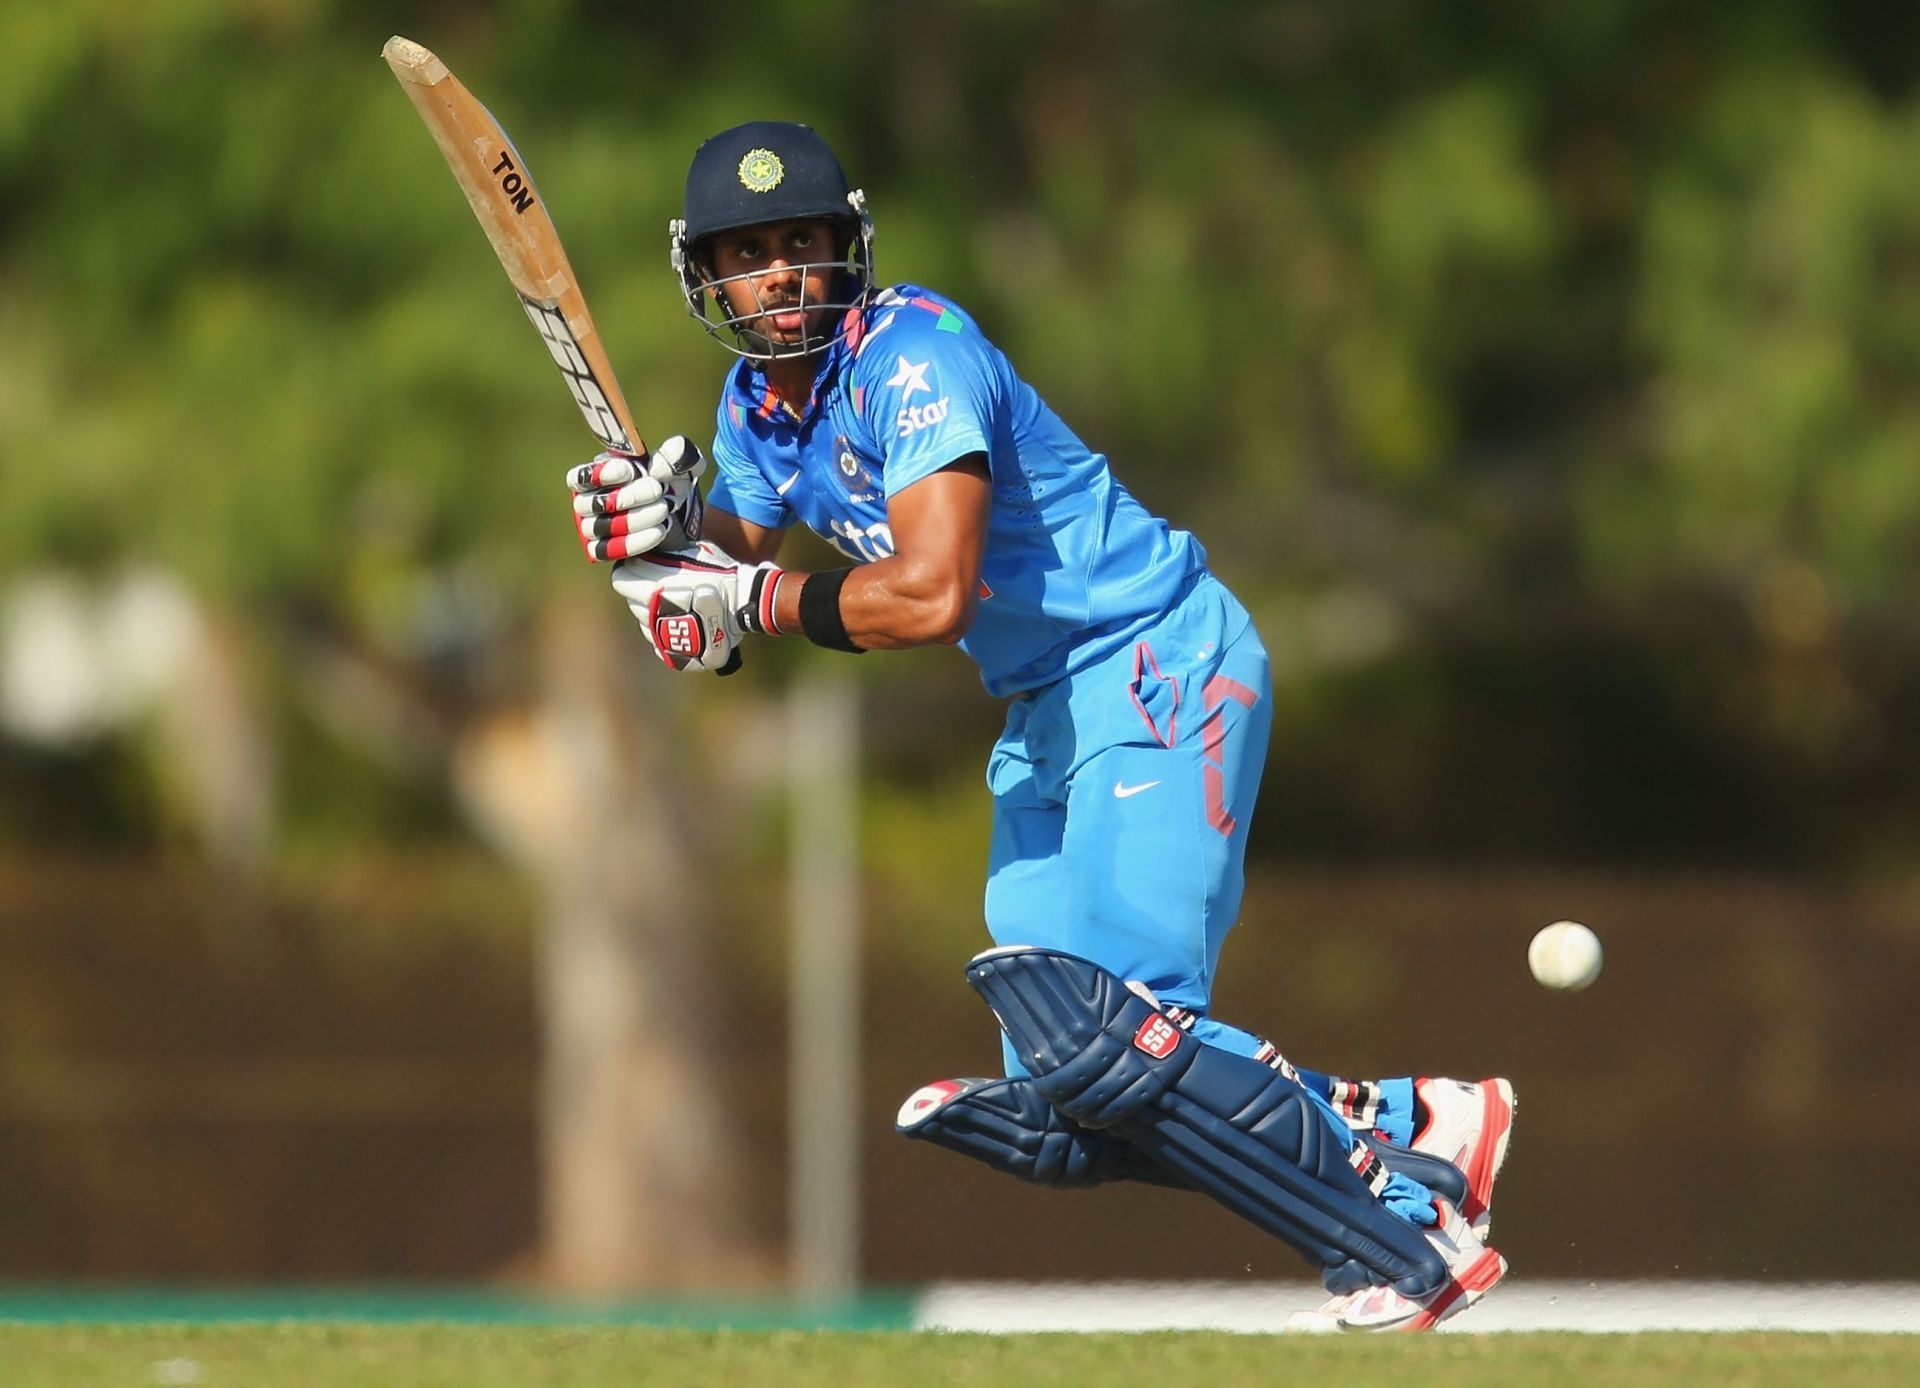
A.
pixel 696 605
pixel 625 505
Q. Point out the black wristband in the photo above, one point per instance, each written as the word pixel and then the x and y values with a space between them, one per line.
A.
pixel 820 611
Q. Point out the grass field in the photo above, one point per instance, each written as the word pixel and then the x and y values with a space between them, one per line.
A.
pixel 312 1355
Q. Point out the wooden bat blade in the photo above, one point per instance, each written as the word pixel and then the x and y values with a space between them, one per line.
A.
pixel 501 192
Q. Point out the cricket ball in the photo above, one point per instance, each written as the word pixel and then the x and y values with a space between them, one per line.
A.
pixel 1565 955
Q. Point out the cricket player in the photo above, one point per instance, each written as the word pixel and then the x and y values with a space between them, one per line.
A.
pixel 1139 703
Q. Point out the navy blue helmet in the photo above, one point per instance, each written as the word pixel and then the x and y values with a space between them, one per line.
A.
pixel 769 171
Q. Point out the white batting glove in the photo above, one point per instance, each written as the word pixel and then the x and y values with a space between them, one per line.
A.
pixel 696 605
pixel 625 505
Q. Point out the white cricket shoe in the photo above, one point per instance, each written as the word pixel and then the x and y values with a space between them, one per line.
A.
pixel 1472 1271
pixel 1324 1320
pixel 1469 1125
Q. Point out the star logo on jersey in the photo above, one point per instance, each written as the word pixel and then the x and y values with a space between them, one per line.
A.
pixel 853 473
pixel 910 377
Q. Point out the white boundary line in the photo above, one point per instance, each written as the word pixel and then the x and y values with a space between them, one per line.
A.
pixel 1262 1308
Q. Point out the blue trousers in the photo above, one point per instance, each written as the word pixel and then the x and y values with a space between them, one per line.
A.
pixel 1122 795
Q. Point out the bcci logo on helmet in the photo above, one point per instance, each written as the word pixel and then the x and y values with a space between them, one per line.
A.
pixel 761 171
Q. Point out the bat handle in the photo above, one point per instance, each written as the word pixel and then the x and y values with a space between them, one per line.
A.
pixel 733 663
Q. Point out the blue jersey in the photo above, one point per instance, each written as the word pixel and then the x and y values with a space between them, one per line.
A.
pixel 1074 566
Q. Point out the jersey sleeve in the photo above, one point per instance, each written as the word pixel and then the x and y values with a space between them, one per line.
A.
pixel 931 390
pixel 739 487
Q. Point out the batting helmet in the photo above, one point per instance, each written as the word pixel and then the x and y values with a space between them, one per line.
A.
pixel 767 171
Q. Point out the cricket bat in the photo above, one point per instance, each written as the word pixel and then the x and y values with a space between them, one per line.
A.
pixel 502 194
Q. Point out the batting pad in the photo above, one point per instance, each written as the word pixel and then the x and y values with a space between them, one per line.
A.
pixel 1225 1124
pixel 1010 1126
pixel 1438 1175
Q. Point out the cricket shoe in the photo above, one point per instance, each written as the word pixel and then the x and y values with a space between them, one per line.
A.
pixel 1323 1321
pixel 1345 1281
pixel 1472 1271
pixel 1469 1125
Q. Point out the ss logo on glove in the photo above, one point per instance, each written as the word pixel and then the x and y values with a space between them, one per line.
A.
pixel 676 631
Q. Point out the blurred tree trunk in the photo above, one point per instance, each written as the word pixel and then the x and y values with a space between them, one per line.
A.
pixel 586 788
pixel 218 756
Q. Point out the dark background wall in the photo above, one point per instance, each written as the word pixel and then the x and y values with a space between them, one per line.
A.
pixel 350 1095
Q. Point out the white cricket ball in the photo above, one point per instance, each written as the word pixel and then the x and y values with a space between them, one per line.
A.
pixel 1565 955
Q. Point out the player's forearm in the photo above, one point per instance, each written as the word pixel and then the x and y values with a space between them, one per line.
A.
pixel 750 544
pixel 891 604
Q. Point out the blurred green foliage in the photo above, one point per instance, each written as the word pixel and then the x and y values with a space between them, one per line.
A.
pixel 1543 376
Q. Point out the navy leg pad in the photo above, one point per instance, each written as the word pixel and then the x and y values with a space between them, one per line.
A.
pixel 1437 1174
pixel 1226 1124
pixel 1007 1124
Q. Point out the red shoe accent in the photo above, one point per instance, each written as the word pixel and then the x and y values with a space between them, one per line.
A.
pixel 1479 1276
pixel 1497 1119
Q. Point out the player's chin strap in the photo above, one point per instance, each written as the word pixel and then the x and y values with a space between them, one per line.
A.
pixel 1010 1126
pixel 1225 1124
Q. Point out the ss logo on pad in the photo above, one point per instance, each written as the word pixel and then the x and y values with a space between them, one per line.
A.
pixel 1157 1037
